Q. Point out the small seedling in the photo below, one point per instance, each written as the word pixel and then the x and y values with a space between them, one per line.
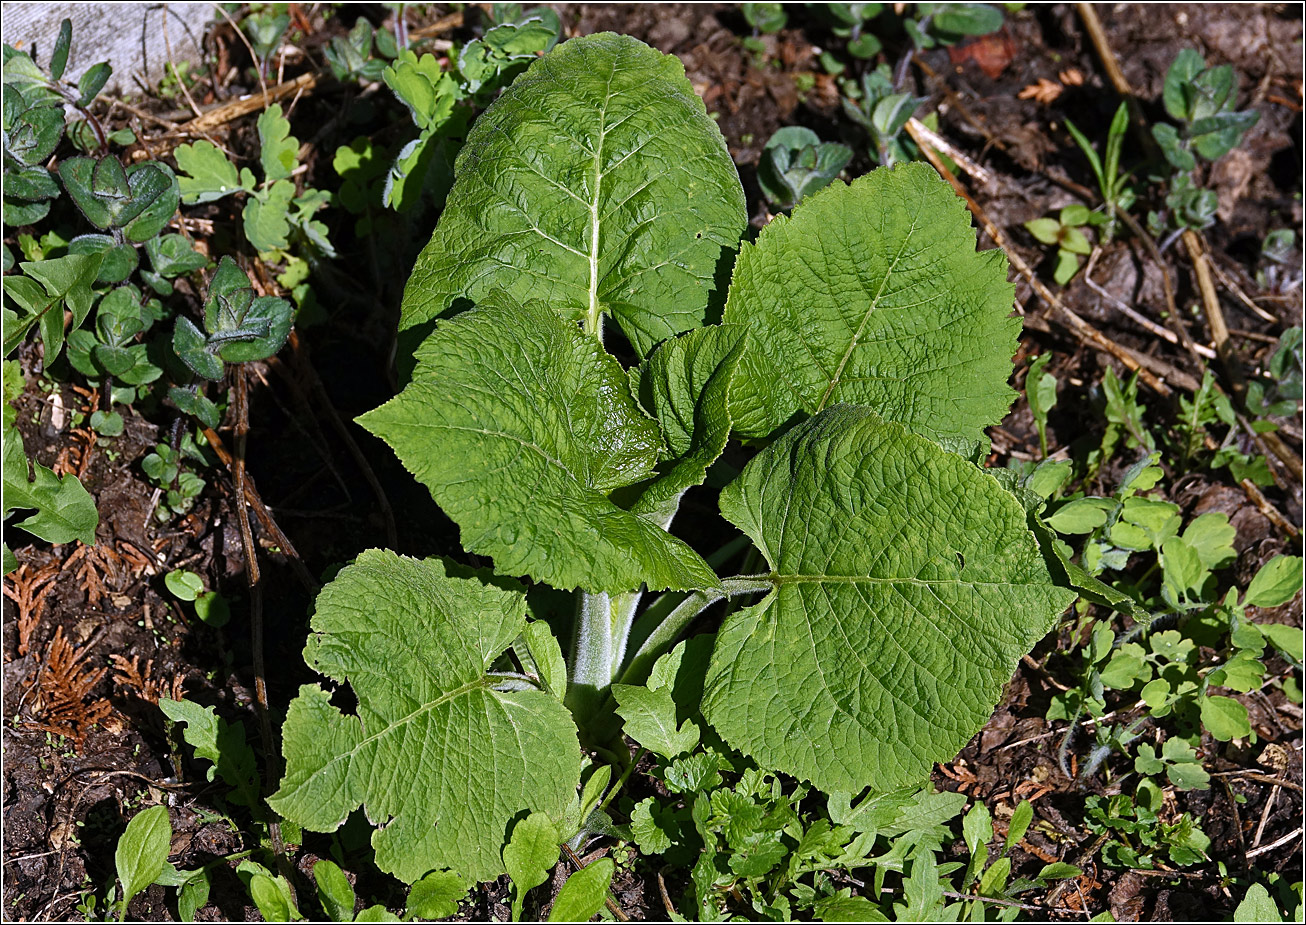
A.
pixel 1201 99
pixel 1066 233
pixel 796 163
pixel 1116 196
pixel 877 107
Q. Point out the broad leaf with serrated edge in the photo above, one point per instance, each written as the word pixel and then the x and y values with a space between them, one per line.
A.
pixel 435 754
pixel 873 294
pixel 519 425
pixel 907 586
pixel 597 183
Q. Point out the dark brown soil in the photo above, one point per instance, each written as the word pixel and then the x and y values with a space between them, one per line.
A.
pixel 71 784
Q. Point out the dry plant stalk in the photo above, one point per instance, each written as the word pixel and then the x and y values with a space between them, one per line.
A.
pixel 27 588
pixel 63 685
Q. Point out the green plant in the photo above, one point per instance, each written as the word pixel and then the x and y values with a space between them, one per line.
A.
pixel 142 853
pixel 1201 99
pixel 165 469
pixel 1116 196
pixel 264 25
pixel 558 463
pixel 766 18
pixel 1066 234
pixel 1138 837
pixel 1041 392
pixel 275 212
pixel 362 54
pixel 795 163
pixel 876 106
pixel 63 510
pixel 1164 574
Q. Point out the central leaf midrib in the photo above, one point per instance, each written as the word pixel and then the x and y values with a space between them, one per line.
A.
pixel 866 316
pixel 592 319
pixel 779 580
pixel 481 682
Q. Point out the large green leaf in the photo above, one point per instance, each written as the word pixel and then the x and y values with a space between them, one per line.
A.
pixel 907 586
pixel 597 183
pixel 873 294
pixel 519 425
pixel 437 755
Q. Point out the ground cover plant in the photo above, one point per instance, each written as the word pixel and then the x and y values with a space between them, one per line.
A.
pixel 673 519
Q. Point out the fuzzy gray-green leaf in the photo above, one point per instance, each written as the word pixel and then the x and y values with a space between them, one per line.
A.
pixel 435 753
pixel 873 294
pixel 907 586
pixel 520 425
pixel 597 183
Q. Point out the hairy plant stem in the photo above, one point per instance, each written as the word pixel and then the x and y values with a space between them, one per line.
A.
pixel 663 634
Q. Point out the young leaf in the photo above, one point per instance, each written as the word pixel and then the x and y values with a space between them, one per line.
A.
pixel 1224 718
pixel 1276 583
pixel 436 895
pixel 266 217
pixel 142 851
pixel 874 294
pixel 597 183
pixel 206 174
pixel 650 717
pixel 1257 906
pixel 1177 92
pixel 519 425
pixel 224 745
pixel 529 855
pixel 415 644
pixel 192 348
pixel 898 613
pixel 65 511
pixel 111 197
pixel 1019 824
pixel 67 283
pixel 59 57
pixel 279 150
pixel 92 82
pixel 685 385
pixel 581 897
pixel 334 892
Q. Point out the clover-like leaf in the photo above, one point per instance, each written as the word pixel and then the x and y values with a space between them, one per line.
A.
pixel 873 294
pixel 206 174
pixel 172 255
pixel 165 196
pixel 192 348
pixel 266 216
pixel 520 425
pixel 596 183
pixel 35 134
pixel 437 755
pixel 907 586
pixel 279 150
